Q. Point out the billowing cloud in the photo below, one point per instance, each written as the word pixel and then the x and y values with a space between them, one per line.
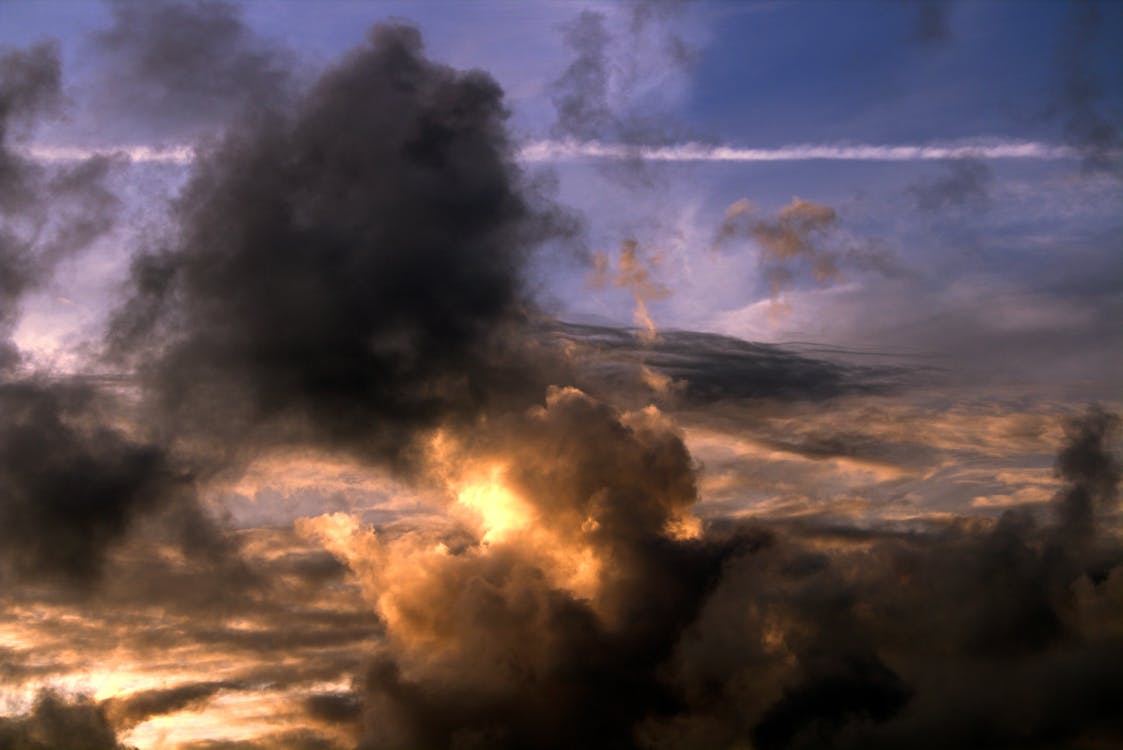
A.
pixel 531 553
pixel 545 624
pixel 780 637
pixel 351 269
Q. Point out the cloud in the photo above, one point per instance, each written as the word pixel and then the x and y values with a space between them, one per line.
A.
pixel 55 722
pixel 564 150
pixel 965 183
pixel 1079 95
pixel 349 270
pixel 856 642
pixel 545 625
pixel 184 67
pixel 710 368
pixel 635 272
pixel 72 479
pixel 126 712
pixel 783 635
pixel 600 93
pixel 72 484
pixel 794 236
pixel 45 214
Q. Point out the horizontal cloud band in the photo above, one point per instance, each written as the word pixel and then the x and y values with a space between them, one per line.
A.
pixel 988 149
pixel 539 151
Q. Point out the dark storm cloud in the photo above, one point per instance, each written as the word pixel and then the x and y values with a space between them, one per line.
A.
pixel 1079 98
pixel 965 183
pixel 72 484
pixel 298 739
pixel 990 635
pixel 55 723
pixel 706 368
pixel 71 479
pixel 349 269
pixel 183 67
pixel 125 713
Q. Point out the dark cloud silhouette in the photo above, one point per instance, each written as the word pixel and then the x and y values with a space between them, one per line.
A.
pixel 891 640
pixel 54 723
pixel 72 483
pixel 350 269
pixel 964 184
pixel 180 68
pixel 72 479
pixel 707 368
pixel 126 712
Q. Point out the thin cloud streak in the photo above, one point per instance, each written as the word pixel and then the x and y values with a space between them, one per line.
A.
pixel 568 150
pixel 989 149
pixel 143 154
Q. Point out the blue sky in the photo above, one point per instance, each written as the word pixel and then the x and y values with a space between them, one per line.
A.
pixel 760 75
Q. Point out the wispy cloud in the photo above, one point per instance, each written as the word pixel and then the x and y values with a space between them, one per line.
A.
pixel 568 150
pixel 977 149
pixel 172 154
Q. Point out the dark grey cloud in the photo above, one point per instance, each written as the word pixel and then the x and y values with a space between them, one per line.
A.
pixel 125 713
pixel 72 484
pixel 965 183
pixel 71 478
pixel 707 368
pixel 350 269
pixel 55 722
pixel 914 640
pixel 180 68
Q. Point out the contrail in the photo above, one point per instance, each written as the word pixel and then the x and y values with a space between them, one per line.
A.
pixel 553 151
pixel 988 149
pixel 140 154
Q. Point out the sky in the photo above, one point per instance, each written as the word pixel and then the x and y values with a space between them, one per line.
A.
pixel 649 374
